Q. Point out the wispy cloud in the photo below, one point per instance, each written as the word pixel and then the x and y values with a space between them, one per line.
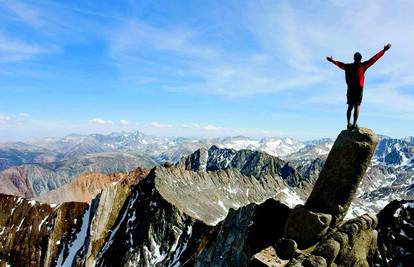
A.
pixel 13 49
pixel 24 114
pixel 124 122
pixel 160 125
pixel 4 118
pixel 10 131
pixel 181 59
pixel 303 37
pixel 208 130
pixel 101 121
pixel 23 12
pixel 261 57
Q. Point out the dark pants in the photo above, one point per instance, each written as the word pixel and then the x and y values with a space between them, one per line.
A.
pixel 354 95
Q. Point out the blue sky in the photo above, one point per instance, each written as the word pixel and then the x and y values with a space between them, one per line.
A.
pixel 201 68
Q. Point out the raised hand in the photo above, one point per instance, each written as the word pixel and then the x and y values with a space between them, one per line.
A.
pixel 387 46
pixel 330 59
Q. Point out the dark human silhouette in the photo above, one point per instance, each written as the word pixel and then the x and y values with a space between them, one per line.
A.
pixel 354 76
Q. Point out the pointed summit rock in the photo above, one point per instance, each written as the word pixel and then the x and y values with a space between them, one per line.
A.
pixel 342 173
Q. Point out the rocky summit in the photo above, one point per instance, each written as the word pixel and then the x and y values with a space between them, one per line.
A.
pixel 215 207
pixel 342 173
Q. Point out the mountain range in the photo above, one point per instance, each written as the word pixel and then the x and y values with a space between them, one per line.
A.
pixel 215 206
pixel 34 168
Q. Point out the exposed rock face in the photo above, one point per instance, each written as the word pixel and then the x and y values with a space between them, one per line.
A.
pixel 306 227
pixel 209 195
pixel 309 168
pixel 394 151
pixel 261 166
pixel 35 234
pixel 326 243
pixel 353 244
pixel 396 235
pixel 248 162
pixel 105 209
pixel 266 258
pixel 29 180
pixel 85 187
pixel 171 217
pixel 242 234
pixel 33 180
pixel 32 234
pixel 392 166
pixel 217 207
pixel 13 154
pixel 342 173
pixel 82 189
pixel 179 215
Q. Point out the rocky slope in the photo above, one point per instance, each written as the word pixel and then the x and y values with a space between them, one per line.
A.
pixel 154 221
pixel 390 175
pixel 172 211
pixel 314 234
pixel 85 187
pixel 32 180
pixel 216 207
pixel 392 162
pixel 33 234
pixel 396 235
pixel 249 162
pixel 14 154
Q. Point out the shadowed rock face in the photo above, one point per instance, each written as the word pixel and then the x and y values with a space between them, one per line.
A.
pixel 175 216
pixel 243 233
pixel 352 244
pixel 316 227
pixel 105 209
pixel 306 227
pixel 396 235
pixel 33 234
pixel 215 208
pixel 342 173
pixel 248 162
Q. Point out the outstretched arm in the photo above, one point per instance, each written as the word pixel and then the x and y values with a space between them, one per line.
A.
pixel 374 59
pixel 337 63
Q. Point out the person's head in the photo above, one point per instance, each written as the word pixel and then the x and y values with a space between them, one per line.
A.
pixel 357 57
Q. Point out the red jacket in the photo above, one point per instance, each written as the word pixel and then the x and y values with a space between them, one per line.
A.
pixel 355 72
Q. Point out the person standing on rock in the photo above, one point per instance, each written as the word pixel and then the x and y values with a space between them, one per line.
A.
pixel 354 76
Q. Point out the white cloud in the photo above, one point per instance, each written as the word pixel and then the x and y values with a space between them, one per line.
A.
pixel 303 38
pixel 49 128
pixel 208 130
pixel 212 128
pixel 289 50
pixel 391 100
pixel 208 127
pixel 12 49
pixel 160 125
pixel 124 122
pixel 24 114
pixel 168 56
pixel 135 36
pixel 23 12
pixel 4 118
pixel 101 121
